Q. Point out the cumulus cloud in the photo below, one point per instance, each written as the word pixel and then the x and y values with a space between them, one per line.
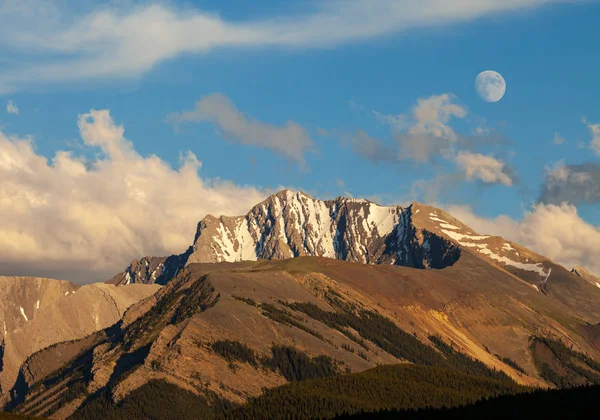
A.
pixel 126 39
pixel 425 135
pixel 421 136
pixel 554 231
pixel 595 131
pixel 291 140
pixel 575 184
pixel 12 108
pixel 484 168
pixel 71 215
pixel 429 134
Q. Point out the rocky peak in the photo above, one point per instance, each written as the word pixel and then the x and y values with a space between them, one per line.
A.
pixel 291 224
pixel 151 270
pixel 586 275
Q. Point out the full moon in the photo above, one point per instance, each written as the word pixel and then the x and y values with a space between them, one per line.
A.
pixel 490 86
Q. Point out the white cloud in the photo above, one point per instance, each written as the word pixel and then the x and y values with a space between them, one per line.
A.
pixel 574 184
pixel 484 168
pixel 290 140
pixel 429 133
pixel 398 122
pixel 12 108
pixel 70 215
pixel 423 134
pixel 126 39
pixel 595 131
pixel 558 139
pixel 554 231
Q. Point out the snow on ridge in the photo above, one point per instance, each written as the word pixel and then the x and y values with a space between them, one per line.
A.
pixel 459 236
pixel 483 249
pixel 443 223
pixel 237 245
pixel 507 247
pixel 246 245
pixel 538 268
pixel 449 226
pixel 23 313
pixel 225 245
pixel 382 218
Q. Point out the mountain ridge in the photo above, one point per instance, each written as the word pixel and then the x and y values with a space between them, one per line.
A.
pixel 39 312
pixel 311 307
pixel 289 224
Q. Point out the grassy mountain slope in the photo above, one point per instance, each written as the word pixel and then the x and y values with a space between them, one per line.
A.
pixel 472 318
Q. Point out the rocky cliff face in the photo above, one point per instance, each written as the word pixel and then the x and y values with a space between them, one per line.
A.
pixel 150 270
pixel 289 225
pixel 293 224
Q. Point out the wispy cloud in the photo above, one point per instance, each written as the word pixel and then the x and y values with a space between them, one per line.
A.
pixel 290 140
pixel 558 139
pixel 595 131
pixel 126 39
pixel 12 108
pixel 575 184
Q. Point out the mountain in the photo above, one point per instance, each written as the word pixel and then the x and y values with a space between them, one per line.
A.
pixel 300 289
pixel 37 312
pixel 226 331
pixel 292 224
pixel 586 275
pixel 151 270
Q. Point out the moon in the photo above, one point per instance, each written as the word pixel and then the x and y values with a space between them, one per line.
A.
pixel 490 86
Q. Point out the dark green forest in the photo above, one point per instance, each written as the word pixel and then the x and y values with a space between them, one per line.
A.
pixel 573 403
pixel 11 416
pixel 383 387
pixel 577 368
pixel 292 364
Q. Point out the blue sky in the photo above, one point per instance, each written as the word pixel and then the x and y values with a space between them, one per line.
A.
pixel 275 64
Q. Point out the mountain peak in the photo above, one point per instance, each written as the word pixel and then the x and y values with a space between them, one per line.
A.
pixel 291 224
pixel 586 275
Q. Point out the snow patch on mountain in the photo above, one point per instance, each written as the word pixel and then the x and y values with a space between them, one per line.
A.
pixel 23 313
pixel 462 237
pixel 538 268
